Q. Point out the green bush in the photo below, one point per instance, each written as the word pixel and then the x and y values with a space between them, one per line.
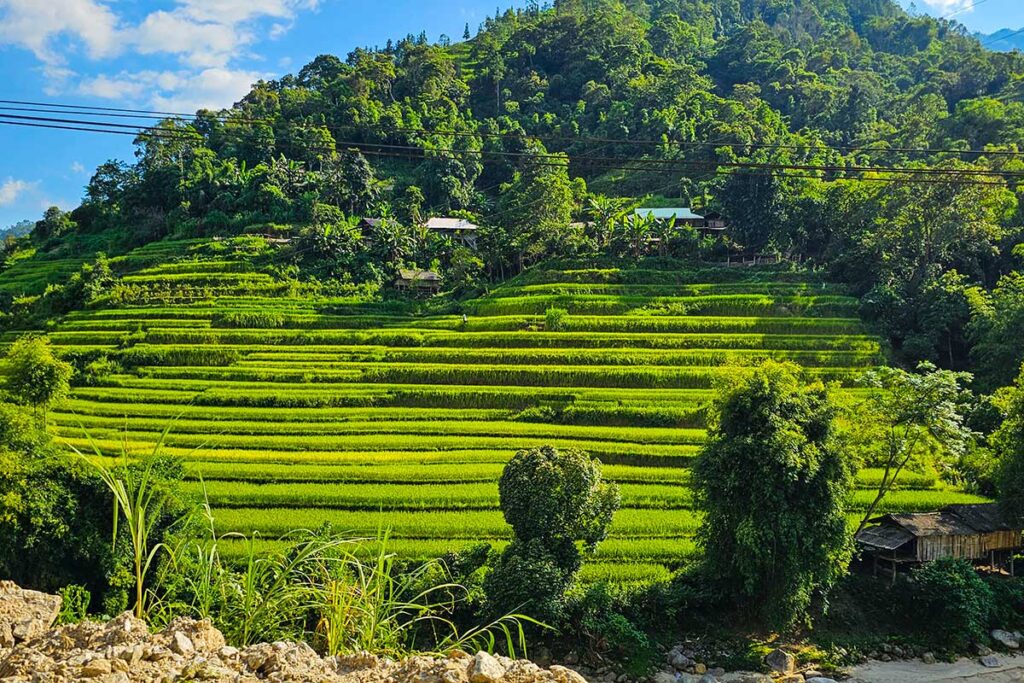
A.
pixel 554 319
pixel 551 500
pixel 953 602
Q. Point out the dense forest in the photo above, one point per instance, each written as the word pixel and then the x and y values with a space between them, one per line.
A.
pixel 849 135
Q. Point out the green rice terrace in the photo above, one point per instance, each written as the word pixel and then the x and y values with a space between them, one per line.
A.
pixel 292 409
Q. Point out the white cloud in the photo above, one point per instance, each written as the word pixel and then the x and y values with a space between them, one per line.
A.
pixel 209 89
pixel 208 39
pixel 11 190
pixel 197 44
pixel 118 87
pixel 185 90
pixel 945 7
pixel 77 167
pixel 34 25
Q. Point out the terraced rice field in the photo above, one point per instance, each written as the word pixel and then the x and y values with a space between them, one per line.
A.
pixel 294 411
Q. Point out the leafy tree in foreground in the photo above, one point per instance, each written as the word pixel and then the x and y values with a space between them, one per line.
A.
pixel 551 499
pixel 54 517
pixel 35 376
pixel 910 414
pixel 773 487
pixel 1009 445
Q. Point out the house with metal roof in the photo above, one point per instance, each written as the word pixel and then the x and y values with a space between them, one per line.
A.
pixel 979 533
pixel 706 225
pixel 459 229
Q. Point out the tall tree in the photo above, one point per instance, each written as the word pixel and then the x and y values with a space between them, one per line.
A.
pixel 910 415
pixel 773 487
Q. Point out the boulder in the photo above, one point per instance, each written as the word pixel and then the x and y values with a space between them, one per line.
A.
pixel 664 677
pixel 25 614
pixel 928 658
pixel 1011 641
pixel 485 669
pixel 780 661
pixel 818 679
pixel 989 661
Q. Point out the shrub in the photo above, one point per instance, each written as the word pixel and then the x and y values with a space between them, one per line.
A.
pixel 35 376
pixel 554 319
pixel 952 601
pixel 551 500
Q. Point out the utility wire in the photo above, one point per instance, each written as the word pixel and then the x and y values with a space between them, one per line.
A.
pixel 580 158
pixel 869 146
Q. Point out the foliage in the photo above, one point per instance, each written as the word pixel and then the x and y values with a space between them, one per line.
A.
pixel 54 523
pixel 35 376
pixel 551 499
pixel 909 416
pixel 319 585
pixel 1009 445
pixel 142 502
pixel 952 601
pixel 773 486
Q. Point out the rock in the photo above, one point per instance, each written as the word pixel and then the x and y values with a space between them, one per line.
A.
pixel 780 661
pixel 707 678
pixel 818 679
pixel 96 667
pixel 1010 641
pixel 717 672
pixel 25 614
pixel 181 644
pixel 699 668
pixel 928 658
pixel 790 678
pixel 564 675
pixel 664 677
pixel 982 650
pixel 680 661
pixel 989 661
pixel 485 669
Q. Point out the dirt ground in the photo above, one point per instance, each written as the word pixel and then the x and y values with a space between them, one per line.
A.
pixel 1010 670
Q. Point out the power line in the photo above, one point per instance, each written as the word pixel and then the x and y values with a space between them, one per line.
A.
pixel 869 146
pixel 605 167
pixel 672 163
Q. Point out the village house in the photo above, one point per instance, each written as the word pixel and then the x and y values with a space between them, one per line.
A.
pixel 418 281
pixel 708 226
pixel 978 533
pixel 458 229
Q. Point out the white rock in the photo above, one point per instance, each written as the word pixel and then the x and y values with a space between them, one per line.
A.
pixel 486 669
pixel 989 661
pixel 181 644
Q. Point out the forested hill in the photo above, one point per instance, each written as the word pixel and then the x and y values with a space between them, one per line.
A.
pixel 846 133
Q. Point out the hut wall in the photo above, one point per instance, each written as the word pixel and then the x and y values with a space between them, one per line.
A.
pixel 1001 540
pixel 932 548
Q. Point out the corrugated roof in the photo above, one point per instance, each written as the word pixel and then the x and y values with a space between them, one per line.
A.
pixel 443 223
pixel 680 214
pixel 885 537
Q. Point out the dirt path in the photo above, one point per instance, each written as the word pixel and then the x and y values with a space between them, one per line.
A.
pixel 1010 670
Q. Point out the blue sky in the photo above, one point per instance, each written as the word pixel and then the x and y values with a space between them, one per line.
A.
pixel 179 55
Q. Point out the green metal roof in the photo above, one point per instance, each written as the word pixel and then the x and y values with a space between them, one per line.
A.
pixel 680 214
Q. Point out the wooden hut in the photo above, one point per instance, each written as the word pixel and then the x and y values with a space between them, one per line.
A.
pixel 418 281
pixel 978 533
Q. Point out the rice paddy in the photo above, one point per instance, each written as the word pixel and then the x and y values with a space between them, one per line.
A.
pixel 293 410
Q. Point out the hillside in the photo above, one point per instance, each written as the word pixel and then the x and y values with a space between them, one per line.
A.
pixel 300 409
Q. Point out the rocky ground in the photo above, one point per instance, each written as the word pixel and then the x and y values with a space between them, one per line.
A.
pixel 123 650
